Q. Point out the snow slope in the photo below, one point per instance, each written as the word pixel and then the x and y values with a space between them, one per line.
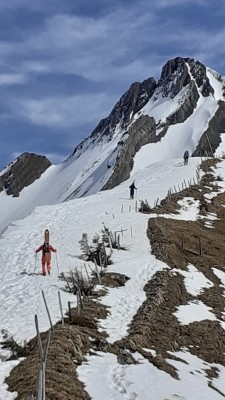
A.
pixel 21 284
pixel 86 172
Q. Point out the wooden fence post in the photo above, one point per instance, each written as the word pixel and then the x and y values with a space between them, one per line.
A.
pixel 97 272
pixel 118 242
pixel 110 244
pixel 80 298
pixel 46 306
pixel 60 306
pixel 78 303
pixel 89 282
pixel 105 255
pixel 43 380
pixel 40 348
pixel 40 382
pixel 69 310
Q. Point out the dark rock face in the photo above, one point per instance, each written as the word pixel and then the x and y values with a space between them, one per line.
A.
pixel 174 77
pixel 179 72
pixel 185 77
pixel 176 74
pixel 198 71
pixel 210 139
pixel 24 171
pixel 187 107
pixel 130 103
pixel 141 132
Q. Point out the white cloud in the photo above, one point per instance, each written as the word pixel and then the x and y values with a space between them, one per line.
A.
pixel 63 112
pixel 123 45
pixel 12 79
pixel 36 66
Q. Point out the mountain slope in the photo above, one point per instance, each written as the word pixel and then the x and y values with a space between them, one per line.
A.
pixel 182 110
pixel 105 374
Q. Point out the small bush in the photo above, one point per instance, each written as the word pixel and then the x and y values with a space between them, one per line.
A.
pixel 8 343
pixel 219 178
pixel 95 251
pixel 144 207
pixel 76 279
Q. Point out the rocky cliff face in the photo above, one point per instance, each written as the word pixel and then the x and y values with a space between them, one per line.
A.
pixel 138 118
pixel 177 74
pixel 141 132
pixel 210 139
pixel 23 172
pixel 129 104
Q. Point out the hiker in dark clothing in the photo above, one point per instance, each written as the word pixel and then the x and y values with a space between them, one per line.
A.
pixel 186 157
pixel 132 188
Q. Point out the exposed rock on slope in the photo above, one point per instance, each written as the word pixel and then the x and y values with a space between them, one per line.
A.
pixel 155 326
pixel 211 137
pixel 186 95
pixel 129 104
pixel 23 172
pixel 140 133
pixel 177 74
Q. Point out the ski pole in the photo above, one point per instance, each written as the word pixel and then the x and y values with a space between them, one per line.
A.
pixel 35 264
pixel 57 262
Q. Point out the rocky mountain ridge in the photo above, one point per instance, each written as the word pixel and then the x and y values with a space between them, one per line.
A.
pixel 182 110
pixel 23 172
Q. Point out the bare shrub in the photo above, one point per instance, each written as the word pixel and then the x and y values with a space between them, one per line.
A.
pixel 144 207
pixel 76 279
pixel 112 240
pixel 219 178
pixel 17 350
pixel 96 251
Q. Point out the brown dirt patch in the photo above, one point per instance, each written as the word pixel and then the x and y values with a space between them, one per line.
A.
pixel 155 326
pixel 68 346
pixel 179 243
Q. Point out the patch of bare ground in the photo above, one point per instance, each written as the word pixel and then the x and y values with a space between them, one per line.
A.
pixel 179 243
pixel 68 346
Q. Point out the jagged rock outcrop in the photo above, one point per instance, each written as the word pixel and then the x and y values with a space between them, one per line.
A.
pixel 23 172
pixel 143 115
pixel 179 72
pixel 186 108
pixel 176 75
pixel 142 131
pixel 210 139
pixel 129 104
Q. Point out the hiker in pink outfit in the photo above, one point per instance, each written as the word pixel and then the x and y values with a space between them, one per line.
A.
pixel 46 256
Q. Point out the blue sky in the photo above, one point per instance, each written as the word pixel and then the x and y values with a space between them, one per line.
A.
pixel 64 65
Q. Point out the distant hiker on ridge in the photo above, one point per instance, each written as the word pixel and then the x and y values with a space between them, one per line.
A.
pixel 186 157
pixel 132 188
pixel 46 253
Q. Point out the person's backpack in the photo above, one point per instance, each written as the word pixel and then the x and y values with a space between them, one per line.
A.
pixel 186 154
pixel 45 248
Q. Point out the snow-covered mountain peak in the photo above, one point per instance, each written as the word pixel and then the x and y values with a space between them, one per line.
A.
pixel 182 110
